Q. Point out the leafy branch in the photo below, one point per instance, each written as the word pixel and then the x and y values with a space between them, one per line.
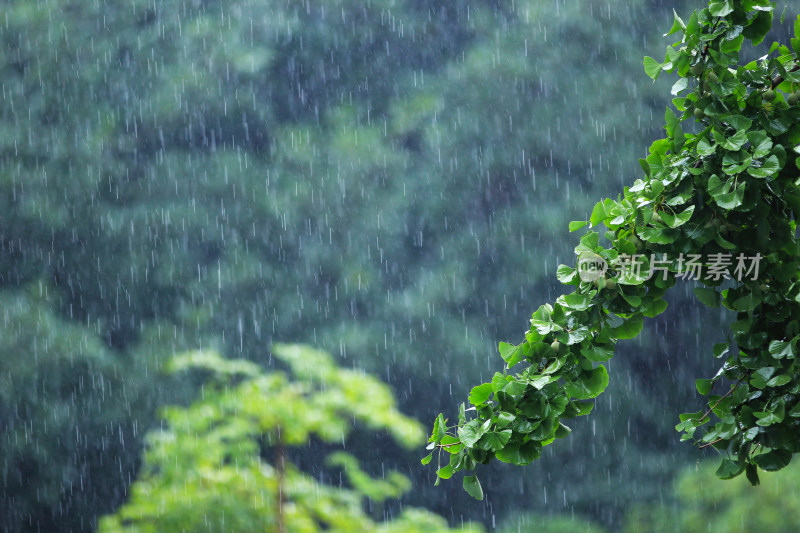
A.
pixel 731 190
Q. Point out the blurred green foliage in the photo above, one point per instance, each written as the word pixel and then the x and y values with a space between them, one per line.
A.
pixel 66 408
pixel 534 523
pixel 205 470
pixel 701 503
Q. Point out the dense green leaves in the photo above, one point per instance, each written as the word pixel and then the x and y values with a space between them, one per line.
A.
pixel 717 206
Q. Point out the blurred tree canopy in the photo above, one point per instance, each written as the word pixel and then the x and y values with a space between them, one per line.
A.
pixel 205 470
pixel 700 502
pixel 386 180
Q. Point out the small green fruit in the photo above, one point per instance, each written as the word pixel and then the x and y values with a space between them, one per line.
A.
pixel 655 218
pixel 769 95
pixel 600 283
pixel 712 77
pixel 699 114
pixel 610 284
pixel 792 99
pixel 697 70
pixel 556 346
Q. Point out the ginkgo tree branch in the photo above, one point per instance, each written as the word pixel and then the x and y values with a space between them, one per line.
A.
pixel 725 199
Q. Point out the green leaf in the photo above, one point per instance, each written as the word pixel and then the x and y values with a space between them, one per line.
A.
pixel 722 194
pixel 709 297
pixel 735 142
pixel 473 487
pixel 538 382
pixel 499 381
pixel 703 386
pixel 470 433
pixel 632 299
pixel 598 354
pixel 438 429
pixel 760 377
pixel 760 142
pixel 584 408
pixel 759 28
pixel 779 381
pixel 638 185
pixel 427 459
pixel 781 349
pixel 520 454
pixel 511 354
pixel 554 366
pixel 720 349
pixel 731 46
pixel 575 225
pixel 515 388
pixel 589 383
pixel 767 168
pixel 562 431
pixel 628 329
pixel 445 472
pixel 729 469
pixel 677 24
pixel 656 163
pixel 747 303
pixel 589 242
pixel 673 221
pixel 740 123
pixel 495 440
pixel 679 86
pixel 655 308
pixel 577 301
pixel 705 148
pixel 751 471
pixel 686 417
pixel 598 214
pixel 773 460
pixel 480 394
pixel 656 235
pixel 652 67
pixel 720 8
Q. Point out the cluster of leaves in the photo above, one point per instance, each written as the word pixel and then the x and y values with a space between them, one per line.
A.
pixel 730 186
pixel 205 472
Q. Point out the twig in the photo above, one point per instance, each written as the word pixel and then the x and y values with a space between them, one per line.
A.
pixel 709 444
pixel 777 81
pixel 741 379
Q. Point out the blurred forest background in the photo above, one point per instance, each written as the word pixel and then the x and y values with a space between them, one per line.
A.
pixel 387 180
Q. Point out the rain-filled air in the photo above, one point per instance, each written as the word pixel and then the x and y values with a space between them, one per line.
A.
pixel 424 266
